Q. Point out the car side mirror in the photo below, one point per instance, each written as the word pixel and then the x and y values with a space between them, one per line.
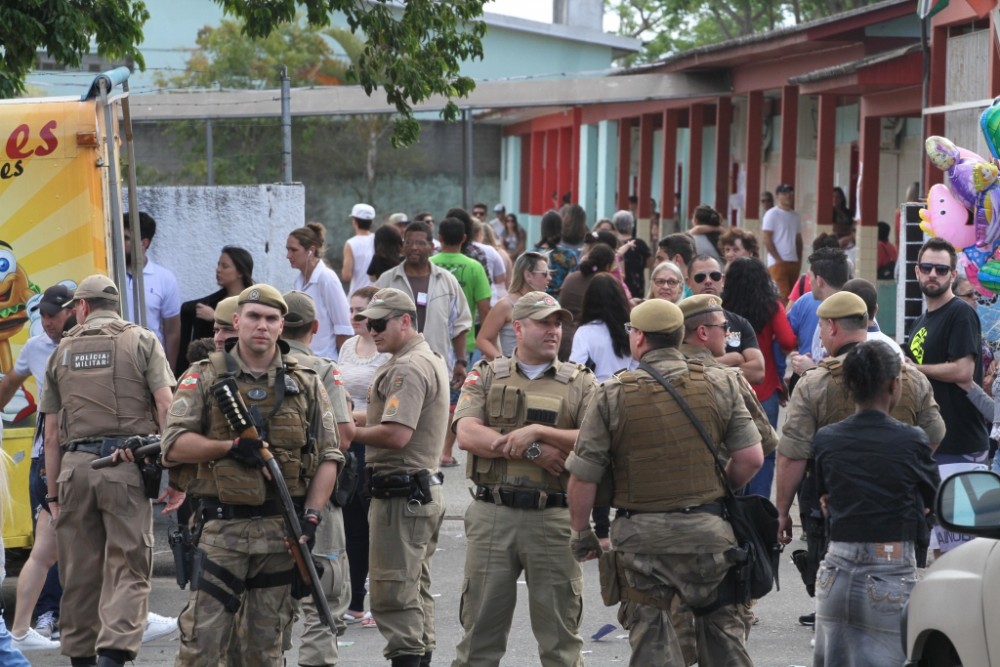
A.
pixel 969 503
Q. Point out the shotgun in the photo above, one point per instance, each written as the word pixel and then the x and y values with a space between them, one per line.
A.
pixel 227 395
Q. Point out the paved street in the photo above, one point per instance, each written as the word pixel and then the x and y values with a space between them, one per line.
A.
pixel 778 641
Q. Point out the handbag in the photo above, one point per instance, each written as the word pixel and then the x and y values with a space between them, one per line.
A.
pixel 755 525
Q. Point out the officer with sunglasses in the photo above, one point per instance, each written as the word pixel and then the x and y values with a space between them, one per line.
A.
pixel 705 276
pixel 406 422
pixel 945 344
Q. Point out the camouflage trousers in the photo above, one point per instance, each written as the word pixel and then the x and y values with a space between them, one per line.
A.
pixel 246 548
pixel 656 559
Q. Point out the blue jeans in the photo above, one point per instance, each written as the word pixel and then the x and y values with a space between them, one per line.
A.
pixel 760 485
pixel 9 656
pixel 860 595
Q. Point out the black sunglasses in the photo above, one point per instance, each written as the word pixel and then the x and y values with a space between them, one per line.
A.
pixel 940 269
pixel 716 276
pixel 378 326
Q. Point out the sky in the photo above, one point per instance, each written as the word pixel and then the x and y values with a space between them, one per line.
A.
pixel 536 10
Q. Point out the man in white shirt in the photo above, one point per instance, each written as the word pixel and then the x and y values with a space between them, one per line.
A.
pixel 497 223
pixel 162 297
pixel 783 240
pixel 359 249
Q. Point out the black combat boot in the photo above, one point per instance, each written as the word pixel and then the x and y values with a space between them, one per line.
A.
pixel 425 660
pixel 109 657
pixel 407 661
pixel 83 662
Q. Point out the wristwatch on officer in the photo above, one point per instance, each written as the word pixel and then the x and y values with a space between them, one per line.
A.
pixel 533 451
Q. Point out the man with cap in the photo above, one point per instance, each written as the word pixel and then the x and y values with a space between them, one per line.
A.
pixel 223 327
pixel 669 537
pixel 783 240
pixel 518 418
pixel 244 562
pixel 107 381
pixel 32 361
pixel 498 222
pixel 406 422
pixel 820 398
pixel 359 249
pixel 319 644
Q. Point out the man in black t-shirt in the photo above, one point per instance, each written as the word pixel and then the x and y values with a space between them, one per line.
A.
pixel 705 276
pixel 945 345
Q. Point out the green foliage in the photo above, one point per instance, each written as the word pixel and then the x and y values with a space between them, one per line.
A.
pixel 64 29
pixel 668 27
pixel 412 52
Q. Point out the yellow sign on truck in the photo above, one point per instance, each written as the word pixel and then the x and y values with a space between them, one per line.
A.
pixel 60 221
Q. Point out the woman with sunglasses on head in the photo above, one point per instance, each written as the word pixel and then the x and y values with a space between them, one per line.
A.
pixel 875 475
pixel 750 292
pixel 496 333
pixel 513 237
pixel 358 361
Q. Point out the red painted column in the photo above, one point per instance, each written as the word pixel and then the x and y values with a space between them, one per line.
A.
pixel 644 190
pixel 871 128
pixel 668 155
pixel 550 175
pixel 696 125
pixel 565 158
pixel 754 156
pixel 575 153
pixel 826 131
pixel 789 133
pixel 624 161
pixel 723 134
pixel 934 125
pixel 539 198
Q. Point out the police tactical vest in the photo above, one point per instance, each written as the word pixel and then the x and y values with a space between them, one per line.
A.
pixel 287 433
pixel 514 401
pixel 103 390
pixel 840 405
pixel 660 461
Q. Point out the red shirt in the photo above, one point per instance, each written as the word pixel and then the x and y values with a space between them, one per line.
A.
pixel 777 329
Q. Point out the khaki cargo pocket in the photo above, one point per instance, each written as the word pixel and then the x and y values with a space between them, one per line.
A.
pixel 238 484
pixel 67 499
pixel 391 590
pixel 607 565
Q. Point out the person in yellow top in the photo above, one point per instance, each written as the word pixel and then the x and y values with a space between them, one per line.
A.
pixel 407 418
pixel 518 418
pixel 244 560
pixel 669 536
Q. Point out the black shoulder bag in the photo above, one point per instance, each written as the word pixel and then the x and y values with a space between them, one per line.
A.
pixel 755 524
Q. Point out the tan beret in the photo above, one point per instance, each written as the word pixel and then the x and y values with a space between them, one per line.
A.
pixel 842 304
pixel 225 310
pixel 538 306
pixel 264 295
pixel 700 304
pixel 657 316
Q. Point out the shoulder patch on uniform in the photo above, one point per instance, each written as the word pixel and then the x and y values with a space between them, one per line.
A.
pixel 189 381
pixel 180 407
pixel 396 384
pixel 392 407
pixel 463 401
pixel 338 379
pixel 328 421
pixel 471 379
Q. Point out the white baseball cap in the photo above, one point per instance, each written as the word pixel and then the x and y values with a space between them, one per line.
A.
pixel 363 212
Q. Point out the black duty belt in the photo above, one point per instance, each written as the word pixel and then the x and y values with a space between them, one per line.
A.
pixel 212 510
pixel 402 479
pixel 521 498
pixel 714 508
pixel 96 446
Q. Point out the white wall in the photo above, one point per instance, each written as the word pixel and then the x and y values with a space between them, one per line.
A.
pixel 194 223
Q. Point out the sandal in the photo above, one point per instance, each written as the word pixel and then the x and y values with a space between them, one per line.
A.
pixel 368 621
pixel 350 618
pixel 449 462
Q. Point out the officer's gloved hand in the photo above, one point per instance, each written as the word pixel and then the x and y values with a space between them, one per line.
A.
pixel 585 544
pixel 310 521
pixel 245 451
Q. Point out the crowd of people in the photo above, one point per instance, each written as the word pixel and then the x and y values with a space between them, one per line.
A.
pixel 560 371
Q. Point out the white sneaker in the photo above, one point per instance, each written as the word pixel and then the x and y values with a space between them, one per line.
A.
pixel 47 625
pixel 32 641
pixel 158 626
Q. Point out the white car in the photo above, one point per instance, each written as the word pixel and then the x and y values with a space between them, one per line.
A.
pixel 953 615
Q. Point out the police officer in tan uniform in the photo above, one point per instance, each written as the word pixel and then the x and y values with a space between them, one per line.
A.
pixel 223 325
pixel 319 644
pixel 668 537
pixel 819 399
pixel 243 556
pixel 406 422
pixel 518 417
pixel 108 380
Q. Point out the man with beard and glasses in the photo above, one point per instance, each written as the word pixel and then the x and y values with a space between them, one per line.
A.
pixel 944 344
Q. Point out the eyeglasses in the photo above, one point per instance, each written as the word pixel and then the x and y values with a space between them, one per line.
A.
pixel 724 326
pixel 940 269
pixel 378 326
pixel 716 276
pixel 667 282
pixel 966 295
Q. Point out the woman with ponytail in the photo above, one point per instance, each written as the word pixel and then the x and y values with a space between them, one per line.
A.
pixel 876 480
pixel 305 250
